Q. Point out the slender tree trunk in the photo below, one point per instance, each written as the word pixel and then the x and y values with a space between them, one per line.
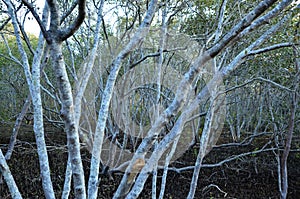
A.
pixel 283 161
pixel 11 184
pixel 13 137
pixel 212 129
pixel 107 95
pixel 176 130
pixel 68 177
pixel 33 80
pixel 68 115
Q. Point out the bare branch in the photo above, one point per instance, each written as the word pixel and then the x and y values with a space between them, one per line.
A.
pixel 153 55
pixel 65 34
pixel 213 185
pixel 66 14
pixel 4 23
pixel 242 25
pixel 8 19
pixel 55 20
pixel 221 163
pixel 270 48
pixel 37 18
pixel 260 79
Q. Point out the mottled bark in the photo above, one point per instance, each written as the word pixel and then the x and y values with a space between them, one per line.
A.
pixel 11 184
pixel 33 80
pixel 55 39
pixel 107 95
pixel 68 115
pixel 165 143
pixel 22 114
pixel 80 87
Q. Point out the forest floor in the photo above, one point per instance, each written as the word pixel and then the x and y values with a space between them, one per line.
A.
pixel 253 176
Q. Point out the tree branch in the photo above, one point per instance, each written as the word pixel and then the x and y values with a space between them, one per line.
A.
pixel 4 170
pixel 260 79
pixel 66 14
pixel 242 25
pixel 54 22
pixel 153 55
pixel 270 48
pixel 264 19
pixel 8 19
pixel 65 34
pixel 183 90
pixel 38 19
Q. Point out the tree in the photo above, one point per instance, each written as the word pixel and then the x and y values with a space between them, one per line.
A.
pixel 206 71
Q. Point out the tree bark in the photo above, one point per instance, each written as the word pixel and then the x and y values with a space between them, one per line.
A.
pixel 68 115
pixel 9 179
pixel 33 80
pixel 138 186
pixel 107 95
pixel 55 39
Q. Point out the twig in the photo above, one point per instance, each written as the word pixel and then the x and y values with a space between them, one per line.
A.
pixel 216 186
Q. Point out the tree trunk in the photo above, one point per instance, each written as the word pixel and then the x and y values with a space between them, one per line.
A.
pixel 68 115
pixel 11 184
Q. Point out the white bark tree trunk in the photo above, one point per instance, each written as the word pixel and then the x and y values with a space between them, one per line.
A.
pixel 33 80
pixel 80 88
pixel 232 35
pixel 9 179
pixel 55 36
pixel 107 95
pixel 68 115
